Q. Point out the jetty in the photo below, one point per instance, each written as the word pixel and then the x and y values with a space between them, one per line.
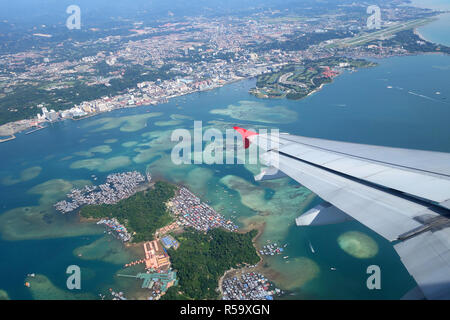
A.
pixel 12 137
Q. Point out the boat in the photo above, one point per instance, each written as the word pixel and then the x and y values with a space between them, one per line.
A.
pixel 285 257
pixel 311 247
pixel 333 269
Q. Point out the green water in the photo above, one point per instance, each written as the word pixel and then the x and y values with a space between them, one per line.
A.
pixel 38 169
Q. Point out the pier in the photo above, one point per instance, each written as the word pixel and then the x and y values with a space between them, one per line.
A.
pixel 34 130
pixel 8 139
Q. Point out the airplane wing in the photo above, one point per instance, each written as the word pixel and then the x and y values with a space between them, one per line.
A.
pixel 402 194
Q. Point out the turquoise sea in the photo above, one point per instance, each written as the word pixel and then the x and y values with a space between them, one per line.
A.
pixel 403 102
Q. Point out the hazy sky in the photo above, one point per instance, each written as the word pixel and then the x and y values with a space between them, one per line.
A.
pixel 50 11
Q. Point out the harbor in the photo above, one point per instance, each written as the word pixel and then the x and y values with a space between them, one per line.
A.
pixel 272 249
pixel 116 229
pixel 159 276
pixel 38 127
pixel 157 282
pixel 12 137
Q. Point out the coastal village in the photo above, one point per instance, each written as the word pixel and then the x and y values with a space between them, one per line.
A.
pixel 118 186
pixel 188 211
pixel 191 211
pixel 249 286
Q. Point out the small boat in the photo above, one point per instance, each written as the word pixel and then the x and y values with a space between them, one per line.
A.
pixel 311 247
pixel 333 269
pixel 285 257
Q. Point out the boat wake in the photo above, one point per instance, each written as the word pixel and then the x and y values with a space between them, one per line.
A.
pixel 426 97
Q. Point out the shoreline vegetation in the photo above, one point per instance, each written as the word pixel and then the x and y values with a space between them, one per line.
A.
pixel 232 271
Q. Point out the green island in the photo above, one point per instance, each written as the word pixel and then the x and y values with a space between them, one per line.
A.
pixel 296 81
pixel 142 214
pixel 203 258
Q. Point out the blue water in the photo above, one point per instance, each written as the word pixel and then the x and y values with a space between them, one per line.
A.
pixel 432 4
pixel 356 107
pixel 436 31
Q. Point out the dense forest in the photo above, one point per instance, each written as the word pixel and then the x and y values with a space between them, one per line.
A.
pixel 203 258
pixel 142 213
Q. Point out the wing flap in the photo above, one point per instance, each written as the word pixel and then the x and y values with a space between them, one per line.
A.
pixel 432 187
pixel 383 212
pixel 427 259
pixel 401 194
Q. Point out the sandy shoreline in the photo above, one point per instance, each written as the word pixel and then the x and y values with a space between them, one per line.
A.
pixel 445 15
pixel 417 33
pixel 231 272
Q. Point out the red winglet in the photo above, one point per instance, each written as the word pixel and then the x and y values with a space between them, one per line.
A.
pixel 245 134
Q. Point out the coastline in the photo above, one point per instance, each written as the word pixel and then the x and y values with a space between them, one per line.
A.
pixel 8 129
pixel 444 10
pixel 258 267
pixel 315 90
pixel 438 18
pixel 420 35
pixel 417 33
